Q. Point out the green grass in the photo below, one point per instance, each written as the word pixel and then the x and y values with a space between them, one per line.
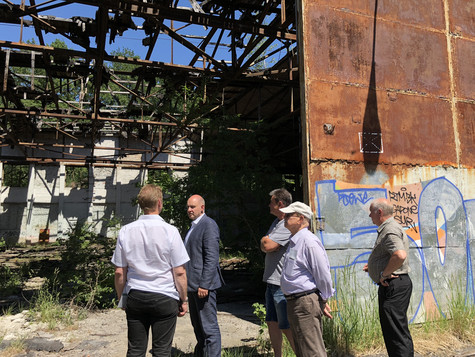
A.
pixel 355 325
pixel 47 307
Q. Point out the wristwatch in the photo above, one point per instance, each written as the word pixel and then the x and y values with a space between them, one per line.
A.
pixel 383 276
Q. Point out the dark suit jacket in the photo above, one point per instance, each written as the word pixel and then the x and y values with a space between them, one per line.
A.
pixel 202 271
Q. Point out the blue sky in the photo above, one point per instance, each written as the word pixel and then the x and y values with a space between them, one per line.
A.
pixel 130 39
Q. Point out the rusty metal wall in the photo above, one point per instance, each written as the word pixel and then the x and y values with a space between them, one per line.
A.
pixel 388 85
pixel 388 110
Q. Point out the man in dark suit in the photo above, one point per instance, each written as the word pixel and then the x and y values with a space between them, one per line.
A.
pixel 204 277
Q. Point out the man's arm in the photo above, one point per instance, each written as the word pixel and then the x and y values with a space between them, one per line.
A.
pixel 268 245
pixel 179 275
pixel 120 279
pixel 395 262
pixel 210 256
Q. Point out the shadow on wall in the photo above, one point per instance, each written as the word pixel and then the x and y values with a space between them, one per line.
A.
pixel 371 137
pixel 14 204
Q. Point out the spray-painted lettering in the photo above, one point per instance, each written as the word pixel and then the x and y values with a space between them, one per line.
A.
pixel 352 198
pixel 418 208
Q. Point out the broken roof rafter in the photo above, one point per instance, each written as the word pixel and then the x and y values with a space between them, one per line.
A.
pixel 251 25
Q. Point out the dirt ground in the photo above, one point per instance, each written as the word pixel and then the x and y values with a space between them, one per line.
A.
pixel 104 333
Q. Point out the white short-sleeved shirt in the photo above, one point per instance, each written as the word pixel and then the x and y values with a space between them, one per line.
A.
pixel 150 248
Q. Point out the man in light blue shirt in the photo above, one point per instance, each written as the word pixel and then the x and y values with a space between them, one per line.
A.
pixel 306 282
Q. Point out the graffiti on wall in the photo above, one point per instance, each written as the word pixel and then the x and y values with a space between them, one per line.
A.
pixel 437 219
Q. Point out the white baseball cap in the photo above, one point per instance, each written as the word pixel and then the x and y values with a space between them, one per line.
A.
pixel 299 207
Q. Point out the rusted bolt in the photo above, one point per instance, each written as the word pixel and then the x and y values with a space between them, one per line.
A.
pixel 328 129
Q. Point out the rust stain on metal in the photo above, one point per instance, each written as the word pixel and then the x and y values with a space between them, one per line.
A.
pixel 396 65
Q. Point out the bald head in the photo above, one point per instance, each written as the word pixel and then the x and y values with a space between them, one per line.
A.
pixel 380 210
pixel 195 207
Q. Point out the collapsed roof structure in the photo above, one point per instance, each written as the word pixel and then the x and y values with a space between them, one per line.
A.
pixel 80 93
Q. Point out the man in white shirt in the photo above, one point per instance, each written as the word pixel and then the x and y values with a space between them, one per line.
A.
pixel 150 270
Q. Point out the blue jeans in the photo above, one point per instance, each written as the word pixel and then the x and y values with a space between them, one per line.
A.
pixel 147 310
pixel 276 306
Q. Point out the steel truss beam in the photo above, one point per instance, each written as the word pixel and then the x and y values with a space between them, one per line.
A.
pixel 49 92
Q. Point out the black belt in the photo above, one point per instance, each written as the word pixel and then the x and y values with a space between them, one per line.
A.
pixel 304 293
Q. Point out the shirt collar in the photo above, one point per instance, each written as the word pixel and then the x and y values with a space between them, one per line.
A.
pixel 196 221
pixel 151 217
pixel 384 224
pixel 297 235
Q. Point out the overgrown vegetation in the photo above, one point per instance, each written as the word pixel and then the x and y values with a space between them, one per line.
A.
pixel 83 276
pixel 355 328
pixel 10 281
pixel 355 325
pixel 77 177
pixel 47 306
pixel 15 175
pixel 263 341
pixel 87 276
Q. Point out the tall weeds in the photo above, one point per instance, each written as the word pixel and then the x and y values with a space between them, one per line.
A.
pixel 47 307
pixel 355 324
pixel 461 312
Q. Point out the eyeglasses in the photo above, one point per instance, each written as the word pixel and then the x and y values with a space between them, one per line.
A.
pixel 288 215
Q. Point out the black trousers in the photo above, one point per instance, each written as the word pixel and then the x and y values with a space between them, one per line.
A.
pixel 393 303
pixel 147 310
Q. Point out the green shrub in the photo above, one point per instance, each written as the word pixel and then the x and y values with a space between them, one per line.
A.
pixel 87 276
pixel 263 341
pixel 11 281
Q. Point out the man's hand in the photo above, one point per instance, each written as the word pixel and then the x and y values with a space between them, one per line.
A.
pixel 327 311
pixel 384 280
pixel 183 308
pixel 365 268
pixel 202 293
pixel 268 245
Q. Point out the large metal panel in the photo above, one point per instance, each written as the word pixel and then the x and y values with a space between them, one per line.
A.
pixel 462 17
pixel 466 112
pixel 389 109
pixel 340 47
pixel 425 13
pixel 406 122
pixel 397 71
pixel 464 68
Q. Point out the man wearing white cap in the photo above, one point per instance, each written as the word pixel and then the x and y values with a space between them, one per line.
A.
pixel 306 282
